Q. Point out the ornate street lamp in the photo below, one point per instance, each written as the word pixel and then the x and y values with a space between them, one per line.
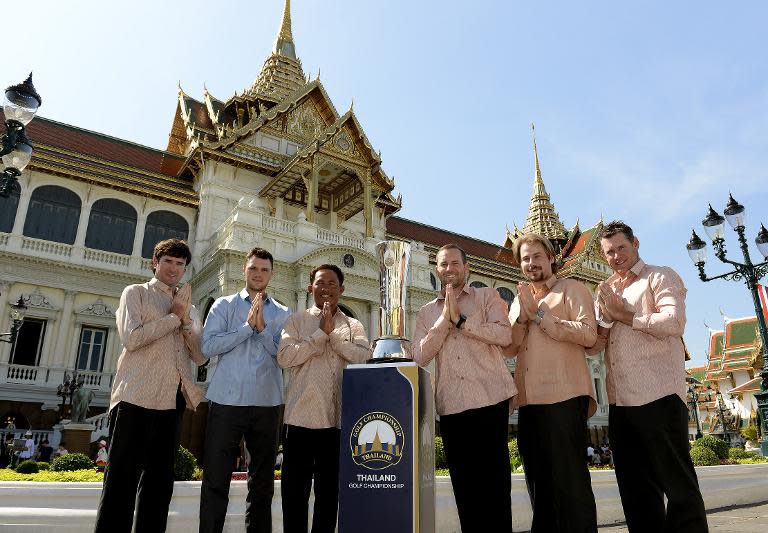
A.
pixel 18 310
pixel 693 392
pixel 20 105
pixel 746 271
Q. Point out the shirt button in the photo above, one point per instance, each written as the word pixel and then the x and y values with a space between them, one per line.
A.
pixel 462 377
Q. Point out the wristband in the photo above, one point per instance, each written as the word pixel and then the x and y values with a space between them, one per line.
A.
pixel 461 321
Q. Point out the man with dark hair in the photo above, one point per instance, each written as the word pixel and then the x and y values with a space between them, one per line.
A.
pixel 316 346
pixel 464 330
pixel 553 321
pixel 160 332
pixel 245 395
pixel 641 312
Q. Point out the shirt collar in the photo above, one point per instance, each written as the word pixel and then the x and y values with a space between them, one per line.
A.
pixel 162 287
pixel 441 294
pixel 637 267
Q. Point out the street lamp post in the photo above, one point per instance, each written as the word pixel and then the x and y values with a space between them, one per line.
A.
pixel 694 394
pixel 18 310
pixel 748 272
pixel 20 105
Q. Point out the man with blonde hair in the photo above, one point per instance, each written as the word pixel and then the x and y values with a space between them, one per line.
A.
pixel 553 321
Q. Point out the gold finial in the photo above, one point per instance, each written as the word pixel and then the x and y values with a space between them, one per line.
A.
pixel 285 27
pixel 536 155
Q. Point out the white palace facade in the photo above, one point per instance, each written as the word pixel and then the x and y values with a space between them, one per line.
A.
pixel 275 166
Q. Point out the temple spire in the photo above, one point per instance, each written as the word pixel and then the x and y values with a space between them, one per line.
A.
pixel 284 44
pixel 542 217
pixel 281 74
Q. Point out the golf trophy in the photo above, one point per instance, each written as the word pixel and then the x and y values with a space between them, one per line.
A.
pixel 391 344
pixel 387 458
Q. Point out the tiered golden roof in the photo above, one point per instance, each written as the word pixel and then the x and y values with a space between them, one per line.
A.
pixel 281 74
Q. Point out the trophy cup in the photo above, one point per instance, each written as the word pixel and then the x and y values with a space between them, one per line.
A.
pixel 391 344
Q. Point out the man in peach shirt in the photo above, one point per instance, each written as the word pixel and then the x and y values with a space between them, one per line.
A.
pixel 553 321
pixel 160 333
pixel 316 346
pixel 641 309
pixel 464 330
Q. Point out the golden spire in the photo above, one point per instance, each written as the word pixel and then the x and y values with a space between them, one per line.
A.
pixel 281 74
pixel 284 44
pixel 542 217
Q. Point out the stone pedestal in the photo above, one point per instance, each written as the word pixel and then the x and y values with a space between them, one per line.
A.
pixel 77 437
pixel 387 460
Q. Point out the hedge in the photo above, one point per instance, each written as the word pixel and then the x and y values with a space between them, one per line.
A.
pixel 27 467
pixel 718 446
pixel 440 461
pixel 184 465
pixel 71 462
pixel 704 456
pixel 71 475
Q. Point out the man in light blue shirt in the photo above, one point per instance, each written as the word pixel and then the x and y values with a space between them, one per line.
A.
pixel 245 395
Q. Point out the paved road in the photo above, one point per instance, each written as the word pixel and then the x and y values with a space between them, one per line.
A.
pixel 740 520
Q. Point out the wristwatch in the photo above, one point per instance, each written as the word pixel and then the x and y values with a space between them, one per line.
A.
pixel 461 321
pixel 539 316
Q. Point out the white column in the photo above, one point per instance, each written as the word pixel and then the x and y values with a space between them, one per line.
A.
pixel 138 238
pixel 21 211
pixel 60 348
pixel 373 328
pixel 82 225
pixel 279 208
pixel 301 300
pixel 5 348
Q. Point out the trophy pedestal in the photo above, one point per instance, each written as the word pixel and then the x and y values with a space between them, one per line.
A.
pixel 387 462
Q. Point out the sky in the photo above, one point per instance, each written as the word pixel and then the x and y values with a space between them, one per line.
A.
pixel 645 111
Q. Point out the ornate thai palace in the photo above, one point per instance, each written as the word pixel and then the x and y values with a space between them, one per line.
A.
pixel 734 361
pixel 276 166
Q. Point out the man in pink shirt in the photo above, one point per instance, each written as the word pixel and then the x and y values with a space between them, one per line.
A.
pixel 641 315
pixel 464 330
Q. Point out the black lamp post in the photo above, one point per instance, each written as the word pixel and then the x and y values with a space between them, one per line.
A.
pixel 20 105
pixel 749 273
pixel 18 310
pixel 693 392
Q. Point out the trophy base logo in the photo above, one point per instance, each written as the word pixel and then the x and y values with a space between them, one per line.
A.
pixel 376 441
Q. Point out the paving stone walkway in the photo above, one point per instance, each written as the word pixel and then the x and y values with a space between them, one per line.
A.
pixel 752 519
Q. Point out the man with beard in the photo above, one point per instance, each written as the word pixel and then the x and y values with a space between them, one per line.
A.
pixel 642 317
pixel 464 330
pixel 316 346
pixel 245 396
pixel 553 322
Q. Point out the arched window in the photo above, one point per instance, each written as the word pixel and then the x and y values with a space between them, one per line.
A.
pixel 53 214
pixel 433 280
pixel 111 226
pixel 506 295
pixel 8 207
pixel 478 284
pixel 162 225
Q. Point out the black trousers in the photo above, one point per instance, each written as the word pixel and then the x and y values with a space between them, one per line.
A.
pixel 227 425
pixel 307 453
pixel 475 443
pixel 142 450
pixel 652 460
pixel 552 439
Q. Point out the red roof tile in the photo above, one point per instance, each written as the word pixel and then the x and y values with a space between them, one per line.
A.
pixel 417 231
pixel 56 134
